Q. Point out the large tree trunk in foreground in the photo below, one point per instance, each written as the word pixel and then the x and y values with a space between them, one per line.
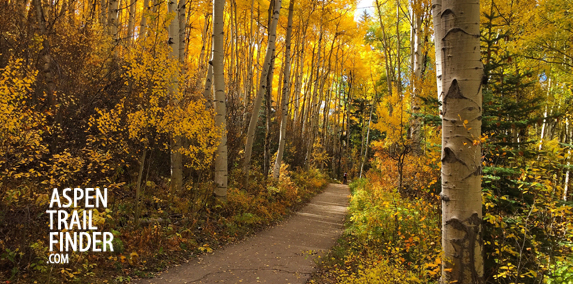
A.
pixel 262 88
pixel 220 104
pixel 458 32
pixel 285 93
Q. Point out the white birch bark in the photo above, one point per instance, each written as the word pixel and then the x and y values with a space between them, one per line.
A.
pixel 262 87
pixel 462 72
pixel 219 98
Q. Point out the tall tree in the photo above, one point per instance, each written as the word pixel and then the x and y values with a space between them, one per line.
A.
pixel 176 143
pixel 285 93
pixel 458 31
pixel 219 97
pixel 272 30
pixel 416 62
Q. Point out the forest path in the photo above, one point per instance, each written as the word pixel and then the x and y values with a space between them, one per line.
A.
pixel 285 253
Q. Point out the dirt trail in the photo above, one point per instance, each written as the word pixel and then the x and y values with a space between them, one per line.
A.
pixel 285 253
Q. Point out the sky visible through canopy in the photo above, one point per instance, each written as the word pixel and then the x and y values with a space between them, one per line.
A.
pixel 367 5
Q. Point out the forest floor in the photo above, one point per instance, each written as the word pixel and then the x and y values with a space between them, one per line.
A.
pixel 286 253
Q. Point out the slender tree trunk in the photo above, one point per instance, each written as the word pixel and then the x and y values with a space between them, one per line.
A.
pixel 262 88
pixel 45 55
pixel 398 52
pixel 177 141
pixel 417 62
pixel 387 56
pixel 268 114
pixel 182 27
pixel 207 94
pixel 21 8
pixel 566 182
pixel 131 20
pixel 220 104
pixel 365 157
pixel 544 126
pixel 143 24
pixel 438 36
pixel 250 66
pixel 113 19
pixel 348 129
pixel 138 188
pixel 461 156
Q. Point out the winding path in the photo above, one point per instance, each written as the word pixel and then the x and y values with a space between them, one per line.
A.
pixel 285 253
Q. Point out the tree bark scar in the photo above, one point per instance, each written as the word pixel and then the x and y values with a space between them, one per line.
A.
pixel 477 172
pixel 448 17
pixel 454 92
pixel 450 157
pixel 453 30
pixel 465 248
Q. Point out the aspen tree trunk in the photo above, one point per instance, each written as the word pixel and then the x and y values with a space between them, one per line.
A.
pixel 545 124
pixel 182 26
pixel 367 138
pixel 138 188
pixel 207 94
pixel 268 105
pixel 314 100
pixel 21 8
pixel 417 62
pixel 566 182
pixel 387 55
pixel 329 96
pixel 307 96
pixel 348 129
pixel 113 21
pixel 46 59
pixel 458 31
pixel 176 143
pixel 438 35
pixel 250 65
pixel 268 102
pixel 262 88
pixel 47 71
pixel 143 24
pixel 131 21
pixel 398 51
pixel 103 13
pixel 208 82
pixel 369 122
pixel 219 98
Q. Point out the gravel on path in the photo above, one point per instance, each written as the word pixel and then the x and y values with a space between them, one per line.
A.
pixel 285 253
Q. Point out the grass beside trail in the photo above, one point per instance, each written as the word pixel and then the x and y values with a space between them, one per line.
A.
pixel 388 239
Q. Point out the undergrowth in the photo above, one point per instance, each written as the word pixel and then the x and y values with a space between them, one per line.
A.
pixel 171 229
pixel 389 238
